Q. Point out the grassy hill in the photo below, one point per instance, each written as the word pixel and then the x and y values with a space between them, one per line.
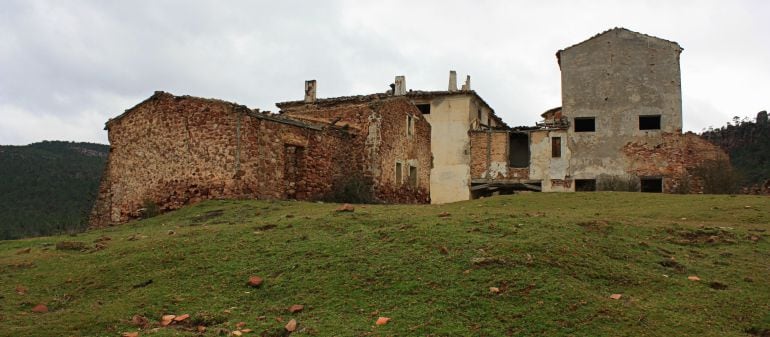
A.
pixel 555 260
pixel 48 187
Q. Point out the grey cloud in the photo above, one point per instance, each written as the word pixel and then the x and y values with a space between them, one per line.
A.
pixel 74 64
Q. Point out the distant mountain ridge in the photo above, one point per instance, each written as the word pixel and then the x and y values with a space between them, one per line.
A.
pixel 48 187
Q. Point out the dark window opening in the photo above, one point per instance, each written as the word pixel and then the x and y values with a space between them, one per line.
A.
pixel 424 108
pixel 652 185
pixel 518 152
pixel 649 122
pixel 412 176
pixel 585 124
pixel 585 185
pixel 556 147
pixel 399 180
pixel 479 116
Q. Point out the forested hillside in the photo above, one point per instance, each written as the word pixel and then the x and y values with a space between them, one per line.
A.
pixel 748 144
pixel 48 187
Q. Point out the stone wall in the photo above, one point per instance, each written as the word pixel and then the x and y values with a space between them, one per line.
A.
pixel 382 124
pixel 171 151
pixel 674 158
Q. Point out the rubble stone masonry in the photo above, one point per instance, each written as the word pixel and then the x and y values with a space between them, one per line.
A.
pixel 675 157
pixel 171 151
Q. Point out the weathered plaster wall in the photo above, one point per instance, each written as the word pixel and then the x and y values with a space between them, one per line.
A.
pixel 617 77
pixel 450 144
pixel 553 172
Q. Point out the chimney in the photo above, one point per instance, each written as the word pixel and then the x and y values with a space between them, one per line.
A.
pixel 400 89
pixel 310 91
pixel 467 85
pixel 452 81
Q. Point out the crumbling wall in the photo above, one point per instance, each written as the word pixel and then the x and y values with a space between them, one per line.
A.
pixel 397 144
pixel 490 157
pixel 382 125
pixel 553 172
pixel 617 77
pixel 172 151
pixel 675 158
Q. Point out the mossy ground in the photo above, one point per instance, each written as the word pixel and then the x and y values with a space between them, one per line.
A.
pixel 556 259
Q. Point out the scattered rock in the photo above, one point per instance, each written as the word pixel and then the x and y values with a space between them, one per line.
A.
pixel 291 326
pixel 494 290
pixel 693 278
pixel 181 318
pixel 382 320
pixel 21 290
pixel 246 330
pixel 345 208
pixel 140 321
pixel 444 250
pixel 296 308
pixel 289 216
pixel 616 296
pixel 170 232
pixel 237 333
pixel 24 251
pixel 40 308
pixel 444 214
pixel 167 319
pixel 201 328
pixel 70 245
pixel 254 281
pixel 130 334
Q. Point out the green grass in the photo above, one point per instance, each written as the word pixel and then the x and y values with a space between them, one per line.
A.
pixel 556 259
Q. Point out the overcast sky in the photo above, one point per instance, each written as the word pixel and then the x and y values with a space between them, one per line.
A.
pixel 67 66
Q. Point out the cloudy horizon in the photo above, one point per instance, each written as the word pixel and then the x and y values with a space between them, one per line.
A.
pixel 66 67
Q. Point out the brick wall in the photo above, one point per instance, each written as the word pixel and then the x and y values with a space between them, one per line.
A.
pixel 490 157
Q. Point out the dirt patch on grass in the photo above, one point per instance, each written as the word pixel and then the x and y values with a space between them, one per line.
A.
pixel 676 266
pixel 201 218
pixel 758 332
pixel 265 227
pixel 481 262
pixel 717 285
pixel 700 236
pixel 598 226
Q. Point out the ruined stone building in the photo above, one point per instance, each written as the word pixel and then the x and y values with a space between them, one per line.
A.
pixel 171 151
pixel 621 116
pixel 620 119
